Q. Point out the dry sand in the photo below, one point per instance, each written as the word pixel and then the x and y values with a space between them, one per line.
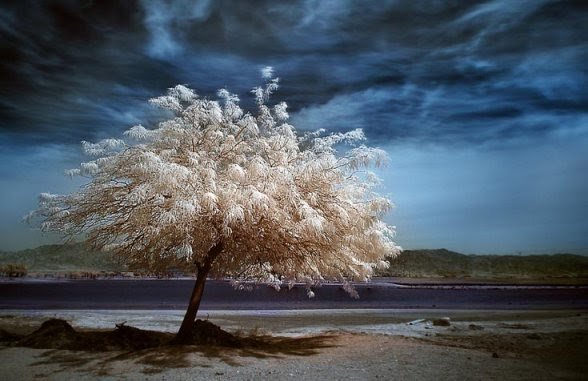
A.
pixel 333 345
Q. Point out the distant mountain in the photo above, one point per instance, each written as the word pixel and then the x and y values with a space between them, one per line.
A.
pixel 442 263
pixel 61 258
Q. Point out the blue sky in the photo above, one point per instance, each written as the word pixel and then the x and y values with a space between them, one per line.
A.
pixel 482 106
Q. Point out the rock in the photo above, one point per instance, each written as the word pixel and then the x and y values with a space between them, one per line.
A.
pixel 475 327
pixel 417 321
pixel 442 322
pixel 495 355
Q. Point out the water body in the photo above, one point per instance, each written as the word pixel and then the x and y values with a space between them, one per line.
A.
pixel 220 295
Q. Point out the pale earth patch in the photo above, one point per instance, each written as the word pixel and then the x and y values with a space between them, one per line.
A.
pixel 350 344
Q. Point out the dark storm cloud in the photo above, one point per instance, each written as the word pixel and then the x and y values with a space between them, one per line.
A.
pixel 495 77
pixel 426 70
pixel 71 71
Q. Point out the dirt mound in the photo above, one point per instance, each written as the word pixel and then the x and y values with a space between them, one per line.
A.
pixel 134 338
pixel 59 334
pixel 8 337
pixel 54 333
pixel 206 333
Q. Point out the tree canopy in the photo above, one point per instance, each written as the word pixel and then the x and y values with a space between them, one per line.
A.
pixel 275 205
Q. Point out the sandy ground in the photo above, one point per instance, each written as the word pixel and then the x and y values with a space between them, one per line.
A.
pixel 326 345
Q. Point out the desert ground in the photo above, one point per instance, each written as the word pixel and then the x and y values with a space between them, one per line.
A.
pixel 321 344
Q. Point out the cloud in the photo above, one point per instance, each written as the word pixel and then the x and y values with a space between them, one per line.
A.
pixel 350 111
pixel 165 21
pixel 564 82
pixel 432 70
pixel 449 115
pixel 459 77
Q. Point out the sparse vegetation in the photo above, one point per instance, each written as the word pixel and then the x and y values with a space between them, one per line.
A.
pixel 443 263
pixel 12 270
pixel 68 258
pixel 78 261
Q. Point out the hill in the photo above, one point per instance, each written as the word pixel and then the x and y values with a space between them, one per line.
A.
pixel 442 263
pixel 61 258
pixel 419 264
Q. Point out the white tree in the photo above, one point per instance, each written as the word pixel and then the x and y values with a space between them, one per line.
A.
pixel 221 192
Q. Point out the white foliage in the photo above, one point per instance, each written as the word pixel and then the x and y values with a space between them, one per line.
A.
pixel 258 200
pixel 89 168
pixel 328 143
pixel 228 97
pixel 103 147
pixel 259 95
pixel 235 214
pixel 159 200
pixel 167 218
pixel 236 173
pixel 167 103
pixel 187 209
pixel 286 131
pixel 209 201
pixel 348 287
pixel 182 93
pixel 306 211
pixel 270 88
pixel 280 111
pixel 184 251
pixel 248 122
pixel 48 197
pixel 73 172
pixel 363 156
pixel 287 208
pixel 314 225
pixel 139 194
pixel 139 132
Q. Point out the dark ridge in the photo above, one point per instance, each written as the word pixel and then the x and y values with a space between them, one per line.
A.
pixel 442 263
pixel 77 259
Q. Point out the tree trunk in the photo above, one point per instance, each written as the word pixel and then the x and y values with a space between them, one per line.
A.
pixel 185 333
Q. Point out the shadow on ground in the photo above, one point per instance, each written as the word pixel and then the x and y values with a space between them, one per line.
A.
pixel 98 352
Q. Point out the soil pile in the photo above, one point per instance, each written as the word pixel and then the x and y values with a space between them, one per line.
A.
pixel 8 337
pixel 206 333
pixel 59 334
pixel 54 334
